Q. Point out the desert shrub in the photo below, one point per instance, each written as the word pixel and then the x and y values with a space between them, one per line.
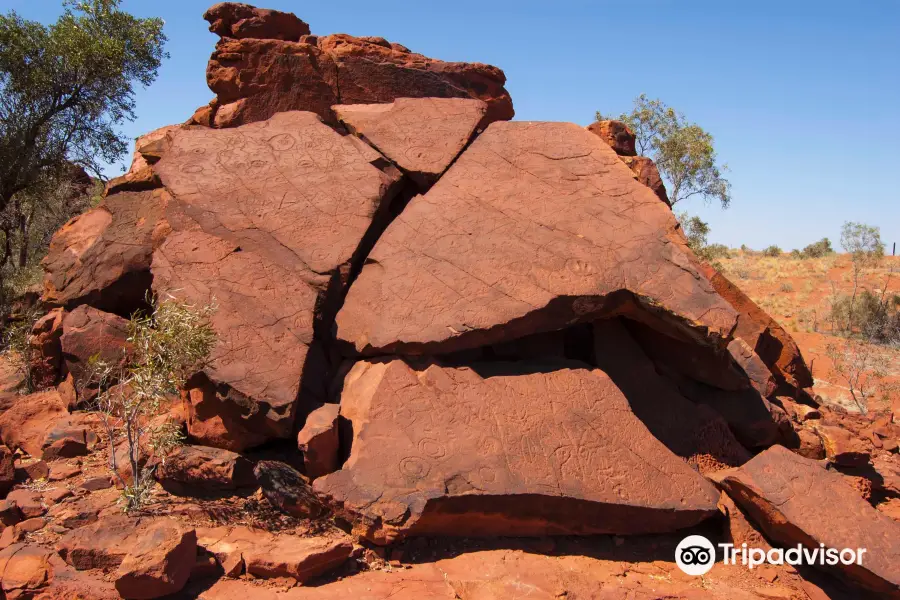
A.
pixel 875 318
pixel 796 253
pixel 713 252
pixel 786 287
pixel 772 250
pixel 817 249
pixel 863 366
pixel 163 350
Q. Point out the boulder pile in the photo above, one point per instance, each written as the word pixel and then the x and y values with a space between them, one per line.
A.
pixel 431 322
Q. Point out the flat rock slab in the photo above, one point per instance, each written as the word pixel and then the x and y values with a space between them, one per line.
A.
pixel 444 451
pixel 291 188
pixel 263 322
pixel 535 227
pixel 795 500
pixel 422 136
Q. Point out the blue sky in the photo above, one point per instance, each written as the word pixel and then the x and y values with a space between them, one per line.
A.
pixel 802 97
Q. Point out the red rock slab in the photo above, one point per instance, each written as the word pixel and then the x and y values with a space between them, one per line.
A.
pixel 24 569
pixel 373 70
pixel 102 257
pixel 237 20
pixel 535 227
pixel 764 335
pixel 7 471
pixel 263 323
pixel 795 500
pixel 319 441
pixel 841 447
pixel 159 561
pixel 199 469
pixel 422 136
pixel 290 188
pixel 26 424
pixel 444 451
pixel 267 556
pixel 694 432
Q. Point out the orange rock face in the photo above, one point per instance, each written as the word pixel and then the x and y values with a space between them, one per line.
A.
pixel 794 500
pixel 421 136
pixel 537 226
pixel 511 451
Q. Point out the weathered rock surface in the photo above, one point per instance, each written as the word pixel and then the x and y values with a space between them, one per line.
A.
pixel 422 136
pixel 200 469
pixel 24 569
pixel 319 441
pixel 767 338
pixel 254 79
pixel 535 227
pixel 88 332
pixel 140 175
pixel 26 424
pixel 264 555
pixel 236 20
pixel 287 490
pixel 45 362
pixel 841 447
pixel 158 562
pixel 70 436
pixel 615 133
pixel 102 257
pixel 794 500
pixel 517 453
pixel 646 173
pixel 268 280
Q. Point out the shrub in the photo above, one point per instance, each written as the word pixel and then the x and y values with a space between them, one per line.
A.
pixel 817 249
pixel 787 287
pixel 163 349
pixel 772 250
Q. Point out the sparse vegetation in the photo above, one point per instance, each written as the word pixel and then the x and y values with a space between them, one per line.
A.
pixel 816 249
pixel 163 349
pixel 772 251
pixel 862 366
pixel 683 151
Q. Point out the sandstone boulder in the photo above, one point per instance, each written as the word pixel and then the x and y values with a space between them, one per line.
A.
pixel 615 133
pixel 28 502
pixel 102 257
pixel 535 227
pixel 26 424
pixel 521 452
pixel 319 441
pixel 842 447
pixel 87 333
pixel 794 500
pixel 236 20
pixel 159 561
pixel 287 490
pixel 140 175
pixel 24 569
pixel 254 79
pixel 200 469
pixel 264 555
pixel 422 136
pixel 102 545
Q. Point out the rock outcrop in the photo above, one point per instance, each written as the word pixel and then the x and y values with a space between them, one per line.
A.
pixel 264 65
pixel 471 327
pixel 520 450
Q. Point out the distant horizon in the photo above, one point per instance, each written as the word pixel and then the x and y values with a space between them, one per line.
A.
pixel 800 98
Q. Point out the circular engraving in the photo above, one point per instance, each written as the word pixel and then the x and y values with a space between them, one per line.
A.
pixel 432 448
pixel 193 169
pixel 282 142
pixel 412 466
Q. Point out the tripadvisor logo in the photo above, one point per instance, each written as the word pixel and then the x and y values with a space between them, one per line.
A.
pixel 696 555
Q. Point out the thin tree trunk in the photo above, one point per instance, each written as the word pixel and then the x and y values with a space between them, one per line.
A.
pixel 23 241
